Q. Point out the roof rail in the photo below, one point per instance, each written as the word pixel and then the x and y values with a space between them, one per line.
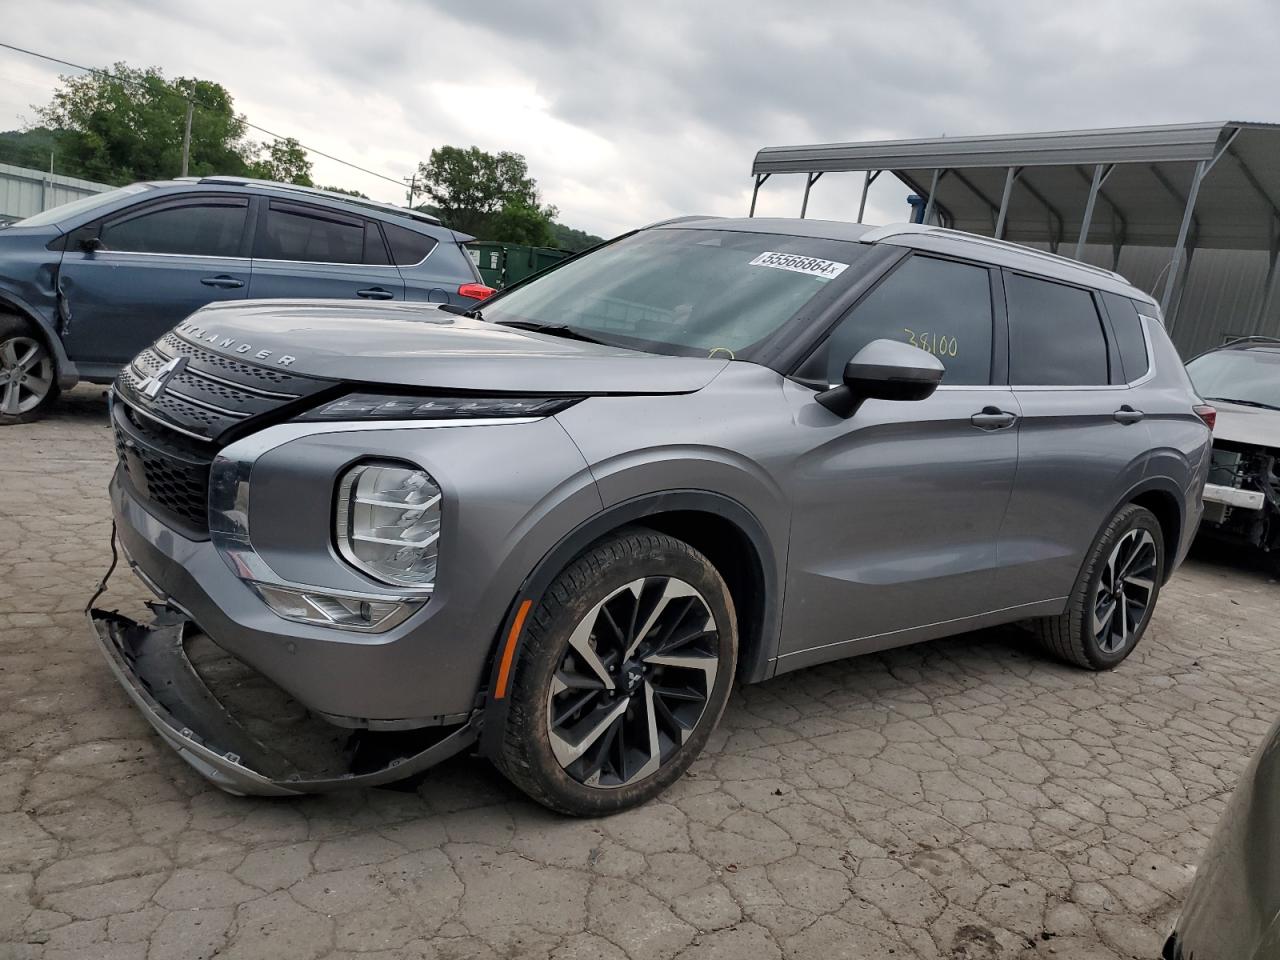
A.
pixel 1256 338
pixel 316 192
pixel 899 229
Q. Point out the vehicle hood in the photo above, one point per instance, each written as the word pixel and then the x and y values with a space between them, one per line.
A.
pixel 419 345
pixel 1252 425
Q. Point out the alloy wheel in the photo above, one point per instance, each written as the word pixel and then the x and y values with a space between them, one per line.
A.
pixel 1125 590
pixel 633 682
pixel 26 375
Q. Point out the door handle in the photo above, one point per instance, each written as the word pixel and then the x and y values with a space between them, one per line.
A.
pixel 223 281
pixel 993 418
pixel 375 293
pixel 1127 414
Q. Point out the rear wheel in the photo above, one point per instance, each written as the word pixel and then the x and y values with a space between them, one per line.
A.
pixel 625 669
pixel 1114 596
pixel 28 379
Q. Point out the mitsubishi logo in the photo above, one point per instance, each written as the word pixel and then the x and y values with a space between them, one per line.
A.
pixel 154 385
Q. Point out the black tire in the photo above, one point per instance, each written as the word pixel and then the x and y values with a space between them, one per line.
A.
pixel 605 577
pixel 28 373
pixel 1073 636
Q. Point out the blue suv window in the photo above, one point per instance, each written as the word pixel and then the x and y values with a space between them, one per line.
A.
pixel 407 247
pixel 294 231
pixel 208 228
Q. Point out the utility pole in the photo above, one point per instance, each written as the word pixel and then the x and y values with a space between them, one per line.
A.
pixel 186 138
pixel 413 187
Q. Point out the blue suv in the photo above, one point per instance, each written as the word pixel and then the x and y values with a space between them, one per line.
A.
pixel 85 286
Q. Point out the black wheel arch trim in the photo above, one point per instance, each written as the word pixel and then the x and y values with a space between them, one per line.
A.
pixel 763 658
pixel 1163 485
pixel 65 370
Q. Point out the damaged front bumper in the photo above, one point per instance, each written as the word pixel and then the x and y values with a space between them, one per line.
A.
pixel 152 664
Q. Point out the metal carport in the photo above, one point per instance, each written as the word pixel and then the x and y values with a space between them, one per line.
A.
pixel 1181 186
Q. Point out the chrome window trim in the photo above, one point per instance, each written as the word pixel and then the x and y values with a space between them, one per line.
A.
pixel 146 253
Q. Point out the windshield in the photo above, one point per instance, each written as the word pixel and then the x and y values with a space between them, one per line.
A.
pixel 1245 376
pixel 681 292
pixel 83 205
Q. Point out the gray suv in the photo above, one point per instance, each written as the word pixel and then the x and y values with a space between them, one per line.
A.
pixel 560 528
pixel 85 286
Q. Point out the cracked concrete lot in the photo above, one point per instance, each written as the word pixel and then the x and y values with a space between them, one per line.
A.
pixel 961 799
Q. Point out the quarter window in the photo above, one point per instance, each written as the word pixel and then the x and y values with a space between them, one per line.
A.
pixel 209 229
pixel 309 234
pixel 1055 334
pixel 407 247
pixel 941 306
pixel 1129 337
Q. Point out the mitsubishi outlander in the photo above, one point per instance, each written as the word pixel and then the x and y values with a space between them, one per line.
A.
pixel 559 525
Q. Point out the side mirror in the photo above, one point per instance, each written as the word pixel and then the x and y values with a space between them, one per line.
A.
pixel 91 244
pixel 884 370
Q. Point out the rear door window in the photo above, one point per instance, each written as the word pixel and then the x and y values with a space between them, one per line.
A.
pixel 294 231
pixel 1130 340
pixel 1055 334
pixel 208 228
pixel 941 306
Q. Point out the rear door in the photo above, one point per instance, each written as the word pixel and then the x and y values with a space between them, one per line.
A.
pixel 312 252
pixel 132 276
pixel 898 508
pixel 1083 442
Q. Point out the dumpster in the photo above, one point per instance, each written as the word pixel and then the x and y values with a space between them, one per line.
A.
pixel 502 264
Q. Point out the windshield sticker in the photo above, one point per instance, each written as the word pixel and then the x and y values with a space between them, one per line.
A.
pixel 810 266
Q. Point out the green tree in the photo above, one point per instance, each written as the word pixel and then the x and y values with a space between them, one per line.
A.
pixel 30 148
pixel 127 124
pixel 488 195
pixel 575 241
pixel 284 161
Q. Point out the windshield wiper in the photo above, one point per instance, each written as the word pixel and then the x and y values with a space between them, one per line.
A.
pixel 472 312
pixel 1243 403
pixel 554 329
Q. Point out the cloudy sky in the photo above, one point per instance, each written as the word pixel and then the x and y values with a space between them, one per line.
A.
pixel 630 112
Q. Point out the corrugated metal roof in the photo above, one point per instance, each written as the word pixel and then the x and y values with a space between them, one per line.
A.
pixel 1142 201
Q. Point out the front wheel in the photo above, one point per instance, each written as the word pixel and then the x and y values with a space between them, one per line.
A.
pixel 28 380
pixel 625 669
pixel 1114 595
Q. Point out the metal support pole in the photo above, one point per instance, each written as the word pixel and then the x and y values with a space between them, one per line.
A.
pixel 809 180
pixel 867 180
pixel 933 192
pixel 186 138
pixel 1010 176
pixel 760 179
pixel 1098 176
pixel 1182 284
pixel 1176 262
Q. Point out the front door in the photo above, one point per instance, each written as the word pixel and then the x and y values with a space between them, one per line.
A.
pixel 898 509
pixel 306 251
pixel 130 278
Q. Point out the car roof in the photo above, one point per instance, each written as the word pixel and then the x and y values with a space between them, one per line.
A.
pixel 1270 344
pixel 415 219
pixel 927 238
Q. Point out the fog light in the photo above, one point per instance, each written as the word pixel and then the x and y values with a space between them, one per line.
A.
pixel 327 609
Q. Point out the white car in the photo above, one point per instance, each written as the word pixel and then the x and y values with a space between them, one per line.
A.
pixel 1242 497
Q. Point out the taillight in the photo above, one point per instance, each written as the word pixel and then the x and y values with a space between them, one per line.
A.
pixel 1206 413
pixel 476 291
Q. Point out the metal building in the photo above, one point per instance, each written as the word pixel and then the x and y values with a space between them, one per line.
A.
pixel 25 192
pixel 1190 212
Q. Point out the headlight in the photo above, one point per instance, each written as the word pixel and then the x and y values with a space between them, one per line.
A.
pixel 387 523
pixel 374 406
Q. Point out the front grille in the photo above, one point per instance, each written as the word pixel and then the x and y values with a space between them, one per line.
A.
pixel 166 442
pixel 164 469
